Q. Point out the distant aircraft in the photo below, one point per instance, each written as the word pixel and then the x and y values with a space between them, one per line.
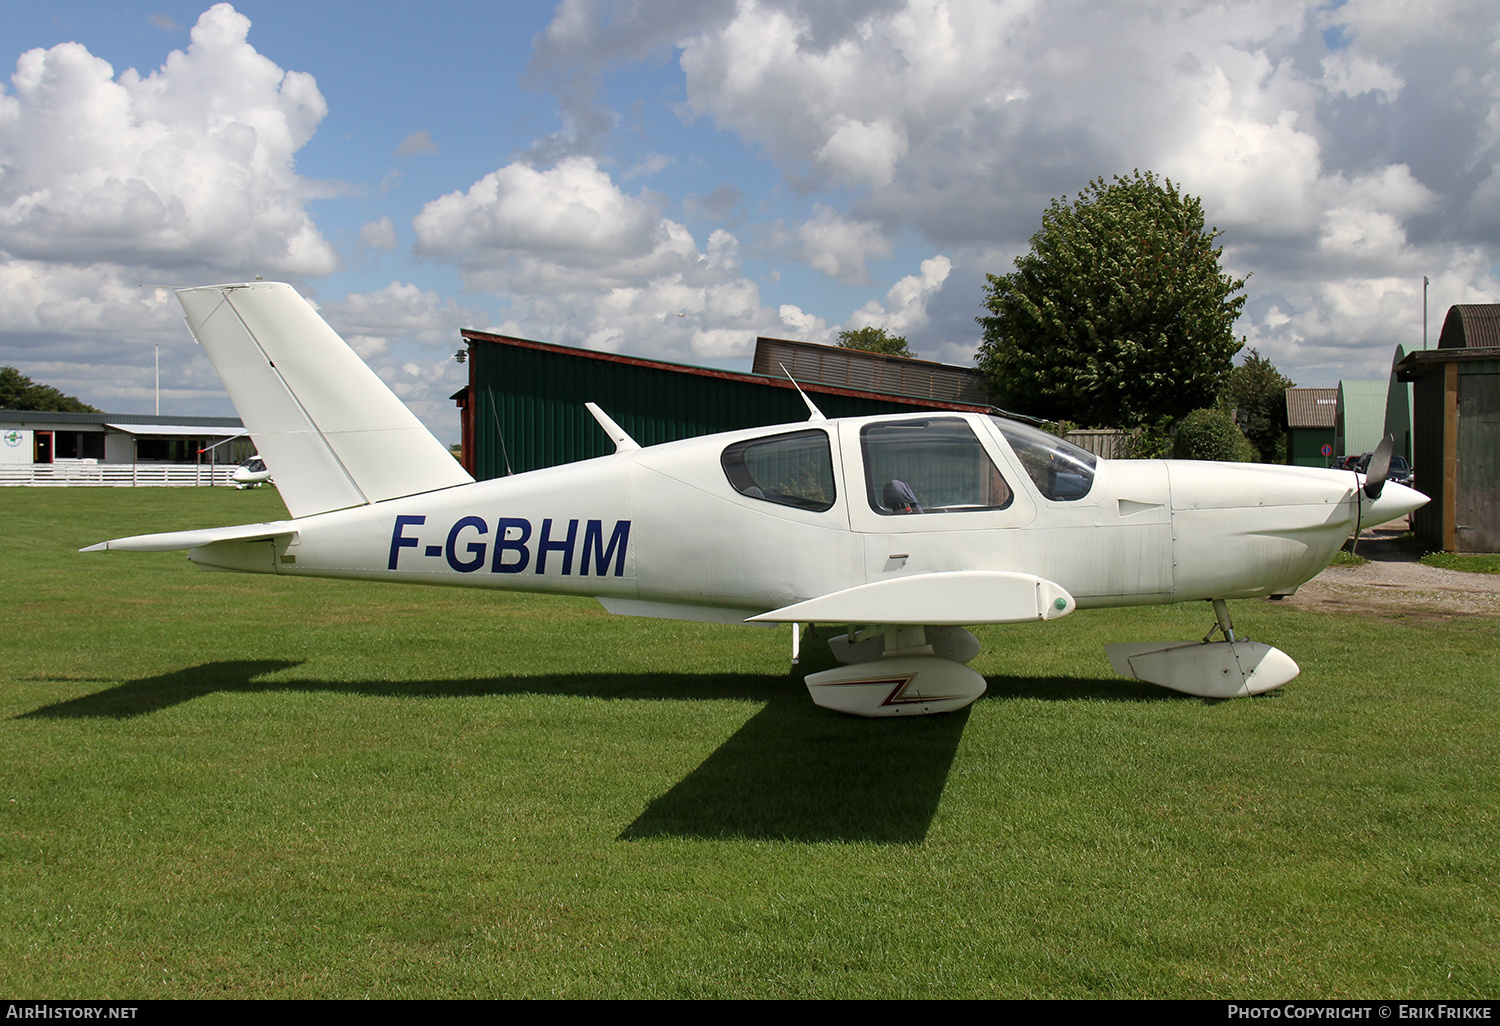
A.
pixel 251 473
pixel 905 528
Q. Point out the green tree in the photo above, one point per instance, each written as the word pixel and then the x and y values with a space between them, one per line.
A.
pixel 18 392
pixel 875 340
pixel 1210 434
pixel 1258 390
pixel 1119 315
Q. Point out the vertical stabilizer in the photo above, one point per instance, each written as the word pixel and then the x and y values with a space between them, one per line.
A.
pixel 331 432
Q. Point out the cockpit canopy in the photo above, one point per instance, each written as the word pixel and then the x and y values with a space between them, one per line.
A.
pixel 911 465
pixel 1060 470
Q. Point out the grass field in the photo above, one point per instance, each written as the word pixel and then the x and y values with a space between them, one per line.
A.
pixel 238 786
pixel 1484 563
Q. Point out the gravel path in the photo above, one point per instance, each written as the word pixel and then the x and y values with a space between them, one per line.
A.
pixel 1393 581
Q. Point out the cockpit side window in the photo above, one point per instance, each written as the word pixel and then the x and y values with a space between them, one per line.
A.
pixel 1061 470
pixel 930 466
pixel 790 470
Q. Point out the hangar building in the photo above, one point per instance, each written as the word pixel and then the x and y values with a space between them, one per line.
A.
pixel 523 407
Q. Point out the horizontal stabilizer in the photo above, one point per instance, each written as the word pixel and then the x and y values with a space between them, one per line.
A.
pixel 954 598
pixel 329 428
pixel 173 540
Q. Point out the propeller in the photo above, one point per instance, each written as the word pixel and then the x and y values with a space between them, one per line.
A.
pixel 1380 466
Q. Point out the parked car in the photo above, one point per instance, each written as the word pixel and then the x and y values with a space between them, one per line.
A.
pixel 1400 471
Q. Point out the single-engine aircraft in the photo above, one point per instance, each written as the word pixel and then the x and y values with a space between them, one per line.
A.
pixel 907 528
pixel 251 473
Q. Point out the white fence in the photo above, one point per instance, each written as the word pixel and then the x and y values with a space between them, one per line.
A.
pixel 66 474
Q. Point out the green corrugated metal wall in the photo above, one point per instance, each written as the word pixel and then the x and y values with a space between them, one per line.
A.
pixel 1305 448
pixel 528 405
pixel 1360 421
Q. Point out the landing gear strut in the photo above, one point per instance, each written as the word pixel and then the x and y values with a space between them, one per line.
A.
pixel 1213 669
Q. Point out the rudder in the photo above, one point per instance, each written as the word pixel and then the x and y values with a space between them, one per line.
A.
pixel 330 430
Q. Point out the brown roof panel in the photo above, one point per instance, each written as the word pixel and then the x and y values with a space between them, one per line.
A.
pixel 1311 407
pixel 1471 326
pixel 811 362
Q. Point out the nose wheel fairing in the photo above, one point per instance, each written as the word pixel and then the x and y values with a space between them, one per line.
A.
pixel 1229 668
pixel 1210 669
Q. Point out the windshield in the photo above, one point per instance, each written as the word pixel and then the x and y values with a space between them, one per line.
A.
pixel 1061 471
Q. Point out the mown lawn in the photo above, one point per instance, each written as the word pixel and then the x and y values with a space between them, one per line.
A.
pixel 240 786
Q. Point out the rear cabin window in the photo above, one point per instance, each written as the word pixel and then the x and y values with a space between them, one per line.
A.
pixel 930 466
pixel 789 470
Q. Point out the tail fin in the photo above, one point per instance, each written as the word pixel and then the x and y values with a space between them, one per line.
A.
pixel 329 429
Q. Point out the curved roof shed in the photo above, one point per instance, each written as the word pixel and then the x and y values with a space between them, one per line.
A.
pixel 1471 326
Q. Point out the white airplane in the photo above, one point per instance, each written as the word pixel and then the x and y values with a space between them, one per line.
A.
pixel 251 473
pixel 906 528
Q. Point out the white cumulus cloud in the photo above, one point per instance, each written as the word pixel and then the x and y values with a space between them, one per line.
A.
pixel 378 234
pixel 184 174
pixel 191 164
pixel 557 229
pixel 905 306
pixel 839 246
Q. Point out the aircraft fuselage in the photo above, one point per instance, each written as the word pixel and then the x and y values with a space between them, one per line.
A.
pixel 665 531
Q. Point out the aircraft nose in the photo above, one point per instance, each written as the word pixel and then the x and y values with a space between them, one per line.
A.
pixel 1396 500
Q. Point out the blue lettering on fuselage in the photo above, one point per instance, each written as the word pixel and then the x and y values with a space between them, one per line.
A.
pixel 399 540
pixel 510 548
pixel 474 548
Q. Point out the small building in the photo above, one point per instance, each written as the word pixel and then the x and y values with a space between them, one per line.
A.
pixel 1456 431
pixel 523 407
pixel 39 447
pixel 1310 423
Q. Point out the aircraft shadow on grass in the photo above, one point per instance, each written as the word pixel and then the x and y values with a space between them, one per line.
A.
pixel 793 771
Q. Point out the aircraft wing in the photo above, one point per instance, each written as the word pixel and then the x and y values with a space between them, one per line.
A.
pixel 173 540
pixel 953 598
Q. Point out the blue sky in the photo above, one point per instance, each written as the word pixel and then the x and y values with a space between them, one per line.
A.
pixel 673 179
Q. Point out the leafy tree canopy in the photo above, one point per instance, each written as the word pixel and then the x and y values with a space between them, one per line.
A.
pixel 1210 434
pixel 1258 390
pixel 18 392
pixel 875 340
pixel 1119 315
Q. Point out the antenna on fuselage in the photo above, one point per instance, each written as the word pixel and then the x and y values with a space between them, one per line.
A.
pixel 817 414
pixel 623 442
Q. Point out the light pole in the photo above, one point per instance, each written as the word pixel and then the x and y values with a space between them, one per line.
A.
pixel 157 348
pixel 1424 313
